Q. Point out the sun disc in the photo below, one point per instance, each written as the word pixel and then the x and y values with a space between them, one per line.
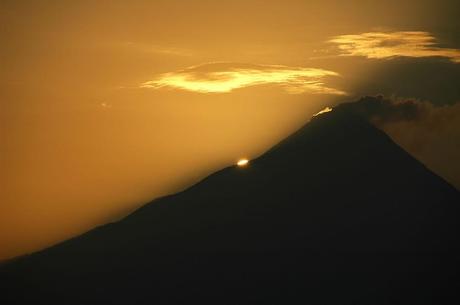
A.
pixel 242 162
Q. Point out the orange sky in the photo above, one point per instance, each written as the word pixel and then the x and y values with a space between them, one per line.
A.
pixel 104 106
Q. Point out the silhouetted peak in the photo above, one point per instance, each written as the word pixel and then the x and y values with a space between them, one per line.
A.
pixel 335 213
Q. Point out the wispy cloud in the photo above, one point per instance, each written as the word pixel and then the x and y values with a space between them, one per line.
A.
pixel 380 45
pixel 154 48
pixel 225 77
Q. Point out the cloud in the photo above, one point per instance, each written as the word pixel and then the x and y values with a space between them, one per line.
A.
pixel 429 133
pixel 154 49
pixel 381 45
pixel 380 110
pixel 226 77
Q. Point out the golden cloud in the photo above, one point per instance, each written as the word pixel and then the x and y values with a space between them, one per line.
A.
pixel 379 45
pixel 225 77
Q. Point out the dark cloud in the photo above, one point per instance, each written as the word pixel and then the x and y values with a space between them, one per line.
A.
pixel 430 133
pixel 432 79
pixel 379 109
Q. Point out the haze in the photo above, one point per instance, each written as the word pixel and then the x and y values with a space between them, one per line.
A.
pixel 104 106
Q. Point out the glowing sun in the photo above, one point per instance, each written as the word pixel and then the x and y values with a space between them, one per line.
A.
pixel 242 162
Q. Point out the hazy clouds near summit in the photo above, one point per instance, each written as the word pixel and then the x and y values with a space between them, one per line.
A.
pixel 429 133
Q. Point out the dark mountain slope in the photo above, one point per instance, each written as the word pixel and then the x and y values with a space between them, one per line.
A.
pixel 335 214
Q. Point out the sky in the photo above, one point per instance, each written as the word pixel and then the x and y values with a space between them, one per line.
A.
pixel 106 105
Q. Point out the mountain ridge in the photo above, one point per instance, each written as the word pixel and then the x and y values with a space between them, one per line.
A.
pixel 337 206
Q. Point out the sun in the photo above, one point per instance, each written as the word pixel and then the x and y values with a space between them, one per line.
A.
pixel 242 162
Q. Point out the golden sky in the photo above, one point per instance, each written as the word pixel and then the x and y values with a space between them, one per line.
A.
pixel 105 105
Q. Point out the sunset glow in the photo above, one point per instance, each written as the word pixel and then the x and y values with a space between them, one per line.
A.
pixel 327 109
pixel 226 77
pixel 106 105
pixel 379 45
pixel 242 162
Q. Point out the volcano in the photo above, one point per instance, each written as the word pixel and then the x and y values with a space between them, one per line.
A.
pixel 336 213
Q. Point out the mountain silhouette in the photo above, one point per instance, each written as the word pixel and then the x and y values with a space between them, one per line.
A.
pixel 337 213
